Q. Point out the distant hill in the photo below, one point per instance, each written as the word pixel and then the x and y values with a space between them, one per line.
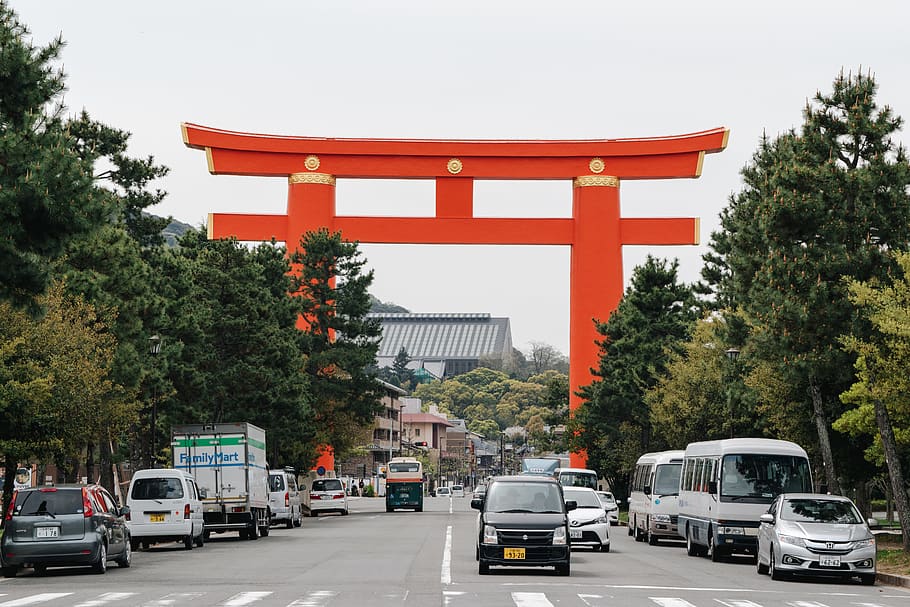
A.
pixel 174 231
pixel 377 306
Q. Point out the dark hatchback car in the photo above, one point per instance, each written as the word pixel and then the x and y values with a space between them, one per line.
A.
pixel 64 526
pixel 523 523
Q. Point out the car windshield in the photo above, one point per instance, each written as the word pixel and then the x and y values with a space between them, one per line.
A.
pixel 820 511
pixel 457 488
pixel 584 499
pixel 524 497
pixel 157 488
pixel 329 484
pixel 32 503
pixel 276 482
pixel 607 498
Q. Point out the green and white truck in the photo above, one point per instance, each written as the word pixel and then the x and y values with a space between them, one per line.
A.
pixel 229 464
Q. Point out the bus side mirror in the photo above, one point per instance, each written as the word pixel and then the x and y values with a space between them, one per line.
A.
pixel 647 489
pixel 477 503
pixel 712 487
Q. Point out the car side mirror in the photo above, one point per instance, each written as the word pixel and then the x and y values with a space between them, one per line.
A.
pixel 766 518
pixel 477 503
pixel 618 501
pixel 571 505
pixel 712 487
pixel 124 510
pixel 647 489
pixel 873 523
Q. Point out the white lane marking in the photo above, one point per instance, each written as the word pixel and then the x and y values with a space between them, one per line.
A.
pixel 670 602
pixel 448 595
pixel 737 603
pixel 175 598
pixel 107 597
pixel 450 505
pixel 446 574
pixel 530 599
pixel 245 598
pixel 317 598
pixel 35 599
pixel 584 598
pixel 806 604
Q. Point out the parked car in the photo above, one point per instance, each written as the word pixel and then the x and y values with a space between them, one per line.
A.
pixel 480 492
pixel 67 525
pixel 328 495
pixel 165 506
pixel 815 534
pixel 284 498
pixel 457 491
pixel 588 524
pixel 523 522
pixel 611 505
pixel 443 492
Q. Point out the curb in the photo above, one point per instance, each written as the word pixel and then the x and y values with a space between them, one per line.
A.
pixel 893 580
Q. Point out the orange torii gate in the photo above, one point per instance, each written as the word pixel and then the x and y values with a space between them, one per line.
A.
pixel 596 233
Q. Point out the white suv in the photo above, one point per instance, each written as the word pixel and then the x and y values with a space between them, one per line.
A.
pixel 457 491
pixel 327 495
pixel 284 498
pixel 165 506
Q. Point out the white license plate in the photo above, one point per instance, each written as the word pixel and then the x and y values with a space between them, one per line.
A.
pixel 47 532
pixel 575 533
pixel 829 562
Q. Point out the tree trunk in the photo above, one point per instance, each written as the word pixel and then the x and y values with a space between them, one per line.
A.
pixel 9 476
pixel 90 463
pixel 106 472
pixel 883 420
pixel 824 441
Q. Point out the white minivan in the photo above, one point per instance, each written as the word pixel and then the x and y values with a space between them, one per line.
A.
pixel 653 496
pixel 284 498
pixel 165 506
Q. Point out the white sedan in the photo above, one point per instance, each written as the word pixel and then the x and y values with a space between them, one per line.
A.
pixel 611 505
pixel 588 521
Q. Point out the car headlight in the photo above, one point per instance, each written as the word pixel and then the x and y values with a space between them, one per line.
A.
pixel 601 519
pixel 867 543
pixel 661 518
pixel 559 536
pixel 489 535
pixel 792 539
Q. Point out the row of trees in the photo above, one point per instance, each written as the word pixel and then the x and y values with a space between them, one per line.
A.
pixel 85 281
pixel 807 280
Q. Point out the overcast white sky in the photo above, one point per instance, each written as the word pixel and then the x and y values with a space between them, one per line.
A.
pixel 473 69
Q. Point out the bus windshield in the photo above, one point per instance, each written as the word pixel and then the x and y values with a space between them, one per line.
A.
pixel 404 467
pixel 666 479
pixel 758 478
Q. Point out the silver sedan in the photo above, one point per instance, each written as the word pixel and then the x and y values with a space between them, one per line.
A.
pixel 815 534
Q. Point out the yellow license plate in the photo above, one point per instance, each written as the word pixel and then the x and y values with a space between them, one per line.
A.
pixel 156 518
pixel 513 553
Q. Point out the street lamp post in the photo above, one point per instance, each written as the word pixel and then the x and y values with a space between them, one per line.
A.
pixel 732 355
pixel 154 350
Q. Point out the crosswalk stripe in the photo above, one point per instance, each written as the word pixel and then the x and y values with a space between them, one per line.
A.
pixel 245 598
pixel 670 602
pixel 530 599
pixel 317 598
pixel 806 604
pixel 35 599
pixel 737 603
pixel 175 598
pixel 107 597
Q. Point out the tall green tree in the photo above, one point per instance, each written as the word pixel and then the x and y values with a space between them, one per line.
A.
pixel 613 424
pixel 339 340
pixel 881 391
pixel 47 194
pixel 819 205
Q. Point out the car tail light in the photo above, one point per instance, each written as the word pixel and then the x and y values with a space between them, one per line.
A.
pixel 87 511
pixel 315 496
pixel 12 506
pixel 338 496
pixel 186 511
pixel 287 499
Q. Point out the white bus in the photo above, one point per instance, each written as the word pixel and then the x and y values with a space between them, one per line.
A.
pixel 653 509
pixel 727 485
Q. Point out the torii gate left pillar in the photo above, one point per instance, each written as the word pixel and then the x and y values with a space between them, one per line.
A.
pixel 596 232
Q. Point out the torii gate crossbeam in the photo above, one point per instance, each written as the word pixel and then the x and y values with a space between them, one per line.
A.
pixel 596 233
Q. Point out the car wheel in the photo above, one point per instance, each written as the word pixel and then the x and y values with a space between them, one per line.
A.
pixel 690 545
pixel 188 542
pixel 714 552
pixel 298 522
pixel 100 565
pixel 290 523
pixel 126 559
pixel 563 569
pixel 10 571
pixel 629 528
pixel 344 512
pixel 595 548
pixel 652 539
pixel 206 535
pixel 252 533
pixel 476 553
pixel 776 574
pixel 483 567
pixel 134 544
pixel 605 547
pixel 868 579
pixel 759 567
pixel 200 540
pixel 264 531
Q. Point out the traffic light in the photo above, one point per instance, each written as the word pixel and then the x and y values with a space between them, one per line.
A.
pixel 422 443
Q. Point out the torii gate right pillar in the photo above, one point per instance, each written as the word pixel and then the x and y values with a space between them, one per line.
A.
pixel 595 277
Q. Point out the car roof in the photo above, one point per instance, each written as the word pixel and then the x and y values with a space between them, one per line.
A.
pixel 585 489
pixel 815 496
pixel 526 479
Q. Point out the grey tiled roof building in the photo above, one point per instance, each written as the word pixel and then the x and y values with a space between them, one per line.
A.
pixel 444 344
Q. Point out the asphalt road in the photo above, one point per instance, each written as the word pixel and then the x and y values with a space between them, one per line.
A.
pixel 420 559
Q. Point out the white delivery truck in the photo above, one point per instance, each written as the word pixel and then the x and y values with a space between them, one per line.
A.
pixel 229 465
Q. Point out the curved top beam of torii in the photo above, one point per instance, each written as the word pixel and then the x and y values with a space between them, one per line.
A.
pixel 235 153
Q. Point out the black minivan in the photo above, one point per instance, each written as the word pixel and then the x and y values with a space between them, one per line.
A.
pixel 523 523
